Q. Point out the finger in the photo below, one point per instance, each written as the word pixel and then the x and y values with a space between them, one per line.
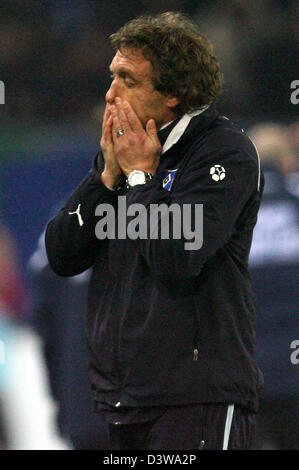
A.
pixel 106 116
pixel 132 117
pixel 115 119
pixel 122 117
pixel 151 130
pixel 115 123
pixel 105 113
pixel 107 131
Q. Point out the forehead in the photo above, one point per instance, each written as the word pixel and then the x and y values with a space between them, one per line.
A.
pixel 131 60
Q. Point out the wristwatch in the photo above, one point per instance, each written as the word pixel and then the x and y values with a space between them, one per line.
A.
pixel 137 177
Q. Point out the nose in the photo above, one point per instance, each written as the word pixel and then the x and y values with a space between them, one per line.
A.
pixel 111 93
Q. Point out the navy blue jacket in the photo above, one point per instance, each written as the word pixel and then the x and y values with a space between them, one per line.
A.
pixel 165 325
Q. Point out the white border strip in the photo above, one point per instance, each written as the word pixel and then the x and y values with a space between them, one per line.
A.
pixel 228 424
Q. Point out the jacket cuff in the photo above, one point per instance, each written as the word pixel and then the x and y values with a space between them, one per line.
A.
pixel 97 170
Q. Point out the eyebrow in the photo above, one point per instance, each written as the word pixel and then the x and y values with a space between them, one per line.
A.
pixel 123 71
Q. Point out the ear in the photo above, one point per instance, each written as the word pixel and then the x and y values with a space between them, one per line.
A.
pixel 172 101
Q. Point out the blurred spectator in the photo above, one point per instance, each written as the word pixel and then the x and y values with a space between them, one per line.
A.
pixel 59 319
pixel 275 272
pixel 293 176
pixel 276 146
pixel 12 293
pixel 27 409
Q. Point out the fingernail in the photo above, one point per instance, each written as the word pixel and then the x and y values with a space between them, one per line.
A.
pixel 117 100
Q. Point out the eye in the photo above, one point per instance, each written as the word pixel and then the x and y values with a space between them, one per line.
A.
pixel 129 83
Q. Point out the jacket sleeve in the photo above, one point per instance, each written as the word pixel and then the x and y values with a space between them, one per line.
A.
pixel 71 242
pixel 222 203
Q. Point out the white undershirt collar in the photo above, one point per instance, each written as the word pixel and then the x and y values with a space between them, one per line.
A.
pixel 180 128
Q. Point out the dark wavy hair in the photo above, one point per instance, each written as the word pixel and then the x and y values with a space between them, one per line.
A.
pixel 183 61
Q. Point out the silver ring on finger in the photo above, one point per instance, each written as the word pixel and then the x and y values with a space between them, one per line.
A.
pixel 120 133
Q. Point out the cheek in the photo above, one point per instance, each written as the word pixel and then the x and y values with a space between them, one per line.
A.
pixel 138 104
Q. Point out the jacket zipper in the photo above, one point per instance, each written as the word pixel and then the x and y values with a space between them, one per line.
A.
pixel 196 332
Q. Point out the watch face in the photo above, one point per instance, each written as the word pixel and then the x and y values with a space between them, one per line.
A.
pixel 136 178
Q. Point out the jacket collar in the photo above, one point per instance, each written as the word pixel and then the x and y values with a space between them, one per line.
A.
pixel 187 124
pixel 164 133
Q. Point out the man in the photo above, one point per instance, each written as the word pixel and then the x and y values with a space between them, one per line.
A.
pixel 170 330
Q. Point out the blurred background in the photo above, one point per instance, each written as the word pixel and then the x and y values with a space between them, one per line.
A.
pixel 54 58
